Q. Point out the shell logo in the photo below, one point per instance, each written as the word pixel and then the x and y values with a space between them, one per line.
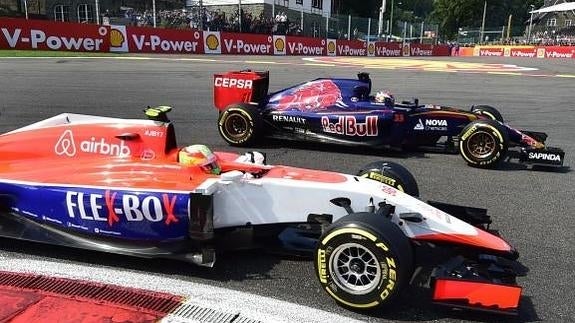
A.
pixel 331 47
pixel 212 42
pixel 406 50
pixel 371 48
pixel 116 38
pixel 280 44
pixel 476 51
pixel 540 52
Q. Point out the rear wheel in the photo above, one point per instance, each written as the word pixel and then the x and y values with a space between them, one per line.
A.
pixel 240 125
pixel 488 111
pixel 363 261
pixel 392 174
pixel 483 143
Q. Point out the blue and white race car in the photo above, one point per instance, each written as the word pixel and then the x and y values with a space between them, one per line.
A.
pixel 343 111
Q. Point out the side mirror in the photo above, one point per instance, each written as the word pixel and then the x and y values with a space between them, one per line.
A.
pixel 343 202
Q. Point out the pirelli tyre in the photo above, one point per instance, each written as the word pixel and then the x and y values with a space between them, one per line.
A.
pixel 392 174
pixel 240 125
pixel 363 261
pixel 488 111
pixel 483 143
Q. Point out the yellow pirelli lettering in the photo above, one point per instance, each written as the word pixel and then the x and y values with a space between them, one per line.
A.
pixel 469 132
pixel 390 262
pixel 351 231
pixel 382 246
pixel 321 266
pixel 384 294
pixel 392 274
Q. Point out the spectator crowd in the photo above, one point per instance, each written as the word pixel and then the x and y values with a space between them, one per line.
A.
pixel 214 20
pixel 218 20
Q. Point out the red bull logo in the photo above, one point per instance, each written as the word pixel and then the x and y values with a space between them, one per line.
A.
pixel 349 126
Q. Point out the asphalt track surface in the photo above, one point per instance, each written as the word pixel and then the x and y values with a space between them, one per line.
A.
pixel 533 209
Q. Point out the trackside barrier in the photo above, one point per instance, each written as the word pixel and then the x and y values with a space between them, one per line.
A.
pixel 520 51
pixel 51 35
pixel 47 35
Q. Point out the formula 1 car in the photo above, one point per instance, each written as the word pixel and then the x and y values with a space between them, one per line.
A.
pixel 342 111
pixel 118 185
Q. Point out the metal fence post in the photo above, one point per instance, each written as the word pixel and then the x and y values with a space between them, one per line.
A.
pixel 301 18
pixel 26 8
pixel 404 31
pixel 154 12
pixel 368 28
pixel 348 27
pixel 240 14
pixel 200 14
pixel 97 5
pixel 421 34
pixel 326 26
pixel 483 22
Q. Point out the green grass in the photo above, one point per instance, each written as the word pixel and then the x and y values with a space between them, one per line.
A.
pixel 46 53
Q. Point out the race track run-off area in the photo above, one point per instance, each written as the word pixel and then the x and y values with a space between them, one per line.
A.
pixel 532 209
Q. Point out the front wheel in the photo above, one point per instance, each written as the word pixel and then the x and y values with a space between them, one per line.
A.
pixel 392 174
pixel 363 261
pixel 483 143
pixel 240 125
pixel 488 111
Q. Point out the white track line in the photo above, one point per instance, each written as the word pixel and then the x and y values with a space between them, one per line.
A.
pixel 252 306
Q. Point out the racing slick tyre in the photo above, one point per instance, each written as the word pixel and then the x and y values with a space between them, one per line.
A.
pixel 392 174
pixel 488 111
pixel 240 125
pixel 363 260
pixel 483 143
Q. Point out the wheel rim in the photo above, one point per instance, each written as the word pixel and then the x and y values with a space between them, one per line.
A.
pixel 355 269
pixel 236 126
pixel 481 144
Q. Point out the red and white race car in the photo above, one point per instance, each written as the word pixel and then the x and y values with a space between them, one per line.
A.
pixel 124 186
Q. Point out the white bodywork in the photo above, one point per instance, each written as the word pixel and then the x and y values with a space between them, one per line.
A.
pixel 240 201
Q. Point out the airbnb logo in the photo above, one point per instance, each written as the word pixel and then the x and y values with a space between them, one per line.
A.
pixel 65 145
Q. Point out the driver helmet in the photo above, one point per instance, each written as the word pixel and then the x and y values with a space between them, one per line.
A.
pixel 385 97
pixel 201 156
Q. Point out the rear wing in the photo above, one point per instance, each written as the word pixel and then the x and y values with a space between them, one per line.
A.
pixel 240 87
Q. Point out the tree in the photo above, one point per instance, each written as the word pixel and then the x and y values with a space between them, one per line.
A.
pixel 404 9
pixel 454 14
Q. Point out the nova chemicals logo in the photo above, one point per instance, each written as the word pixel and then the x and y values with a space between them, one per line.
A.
pixel 212 42
pixel 65 145
pixel 419 125
pixel 431 124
